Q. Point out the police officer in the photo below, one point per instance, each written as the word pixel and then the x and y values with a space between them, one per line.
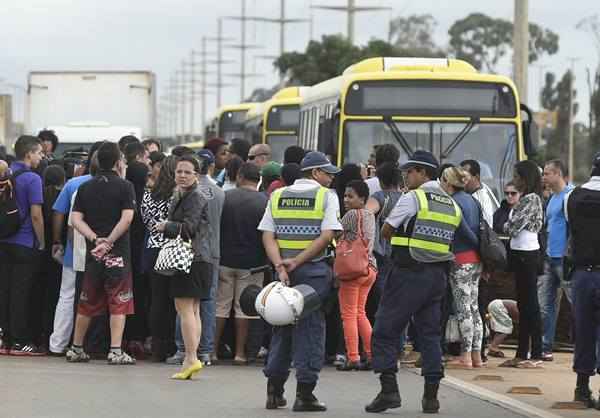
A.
pixel 421 228
pixel 298 225
pixel 582 210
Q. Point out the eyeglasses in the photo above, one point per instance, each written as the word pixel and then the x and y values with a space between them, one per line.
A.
pixel 511 193
pixel 252 157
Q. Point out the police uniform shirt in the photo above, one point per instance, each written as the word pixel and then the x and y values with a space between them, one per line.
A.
pixel 407 207
pixel 593 184
pixel 332 208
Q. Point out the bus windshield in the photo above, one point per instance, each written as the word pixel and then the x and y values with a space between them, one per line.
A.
pixel 279 143
pixel 492 144
pixel 231 124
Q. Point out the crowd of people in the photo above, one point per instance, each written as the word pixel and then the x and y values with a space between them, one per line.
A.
pixel 81 259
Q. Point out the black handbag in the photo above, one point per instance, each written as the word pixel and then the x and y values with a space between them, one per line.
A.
pixel 491 248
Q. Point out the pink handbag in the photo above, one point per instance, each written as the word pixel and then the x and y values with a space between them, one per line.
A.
pixel 352 257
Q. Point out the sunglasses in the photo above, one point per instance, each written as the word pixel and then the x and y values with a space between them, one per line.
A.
pixel 511 193
pixel 252 157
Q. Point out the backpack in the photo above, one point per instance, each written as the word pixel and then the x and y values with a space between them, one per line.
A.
pixel 491 249
pixel 10 217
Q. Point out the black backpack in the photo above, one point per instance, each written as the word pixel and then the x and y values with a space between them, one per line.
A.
pixel 10 218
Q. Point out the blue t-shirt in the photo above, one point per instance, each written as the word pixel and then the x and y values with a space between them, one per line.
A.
pixel 63 205
pixel 557 224
pixel 28 192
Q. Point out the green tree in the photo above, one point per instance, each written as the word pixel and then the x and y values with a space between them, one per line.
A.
pixel 414 32
pixel 483 40
pixel 595 109
pixel 555 97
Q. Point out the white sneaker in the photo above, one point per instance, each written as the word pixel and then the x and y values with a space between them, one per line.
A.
pixel 122 359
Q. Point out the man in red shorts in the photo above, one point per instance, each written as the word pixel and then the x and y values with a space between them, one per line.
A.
pixel 102 213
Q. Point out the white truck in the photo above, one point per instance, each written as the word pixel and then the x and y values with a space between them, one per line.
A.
pixel 83 107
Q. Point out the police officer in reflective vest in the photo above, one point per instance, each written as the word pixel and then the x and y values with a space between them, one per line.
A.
pixel 298 225
pixel 582 210
pixel 421 228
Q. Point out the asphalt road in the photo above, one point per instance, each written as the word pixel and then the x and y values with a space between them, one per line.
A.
pixel 49 388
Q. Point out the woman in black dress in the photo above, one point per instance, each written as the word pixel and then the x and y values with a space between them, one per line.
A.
pixel 188 217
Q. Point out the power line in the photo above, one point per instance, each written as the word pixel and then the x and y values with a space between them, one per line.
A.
pixel 351 9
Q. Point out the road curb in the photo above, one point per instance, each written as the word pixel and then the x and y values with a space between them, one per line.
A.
pixel 497 399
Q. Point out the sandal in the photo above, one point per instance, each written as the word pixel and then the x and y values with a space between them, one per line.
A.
pixel 513 362
pixel 495 353
pixel 457 364
pixel 530 364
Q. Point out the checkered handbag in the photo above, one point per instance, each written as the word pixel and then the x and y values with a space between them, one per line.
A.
pixel 175 256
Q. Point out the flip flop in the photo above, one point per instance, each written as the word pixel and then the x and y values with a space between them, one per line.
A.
pixel 458 365
pixel 496 354
pixel 529 364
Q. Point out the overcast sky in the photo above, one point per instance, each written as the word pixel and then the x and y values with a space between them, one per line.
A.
pixel 156 35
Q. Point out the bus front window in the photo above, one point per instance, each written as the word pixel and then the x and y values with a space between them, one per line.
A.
pixel 492 144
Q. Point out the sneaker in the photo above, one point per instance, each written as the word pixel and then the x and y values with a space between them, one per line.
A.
pixel 206 359
pixel 262 353
pixel 547 357
pixel 122 359
pixel 340 360
pixel 26 350
pixel 73 356
pixel 176 359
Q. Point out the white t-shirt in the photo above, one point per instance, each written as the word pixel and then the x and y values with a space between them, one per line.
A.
pixel 79 246
pixel 374 185
pixel 330 221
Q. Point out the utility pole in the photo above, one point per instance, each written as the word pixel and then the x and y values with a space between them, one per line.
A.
pixel 351 9
pixel 180 83
pixel 219 61
pixel 521 47
pixel 243 46
pixel 541 78
pixel 571 117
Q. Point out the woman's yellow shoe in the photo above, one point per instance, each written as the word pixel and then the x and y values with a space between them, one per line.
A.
pixel 189 372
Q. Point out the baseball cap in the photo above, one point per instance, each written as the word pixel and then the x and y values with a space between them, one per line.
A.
pixel 421 158
pixel 316 159
pixel 207 156
pixel 271 170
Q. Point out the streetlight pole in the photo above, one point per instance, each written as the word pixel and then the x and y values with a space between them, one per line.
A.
pixel 521 47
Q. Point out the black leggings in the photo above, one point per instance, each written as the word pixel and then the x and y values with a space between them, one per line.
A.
pixel 525 266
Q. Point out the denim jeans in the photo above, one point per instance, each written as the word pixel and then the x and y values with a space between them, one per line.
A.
pixel 208 312
pixel 551 286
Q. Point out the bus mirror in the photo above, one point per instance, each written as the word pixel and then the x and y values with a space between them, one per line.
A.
pixel 530 131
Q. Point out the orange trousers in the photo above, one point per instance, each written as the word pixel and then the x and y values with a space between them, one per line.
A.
pixel 353 298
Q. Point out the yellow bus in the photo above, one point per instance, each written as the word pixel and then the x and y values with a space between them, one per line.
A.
pixel 275 122
pixel 441 105
pixel 229 122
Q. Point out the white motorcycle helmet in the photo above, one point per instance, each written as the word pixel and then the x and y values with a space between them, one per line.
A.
pixel 280 305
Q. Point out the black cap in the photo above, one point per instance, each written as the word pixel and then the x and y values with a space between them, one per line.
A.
pixel 421 158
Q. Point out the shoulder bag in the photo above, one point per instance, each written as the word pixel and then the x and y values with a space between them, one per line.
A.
pixel 352 257
pixel 176 255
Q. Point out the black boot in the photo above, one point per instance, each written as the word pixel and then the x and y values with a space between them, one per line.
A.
pixel 275 397
pixel 306 401
pixel 389 397
pixel 430 402
pixel 583 394
pixel 348 366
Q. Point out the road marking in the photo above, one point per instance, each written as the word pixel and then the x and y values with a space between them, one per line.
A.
pixel 497 399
